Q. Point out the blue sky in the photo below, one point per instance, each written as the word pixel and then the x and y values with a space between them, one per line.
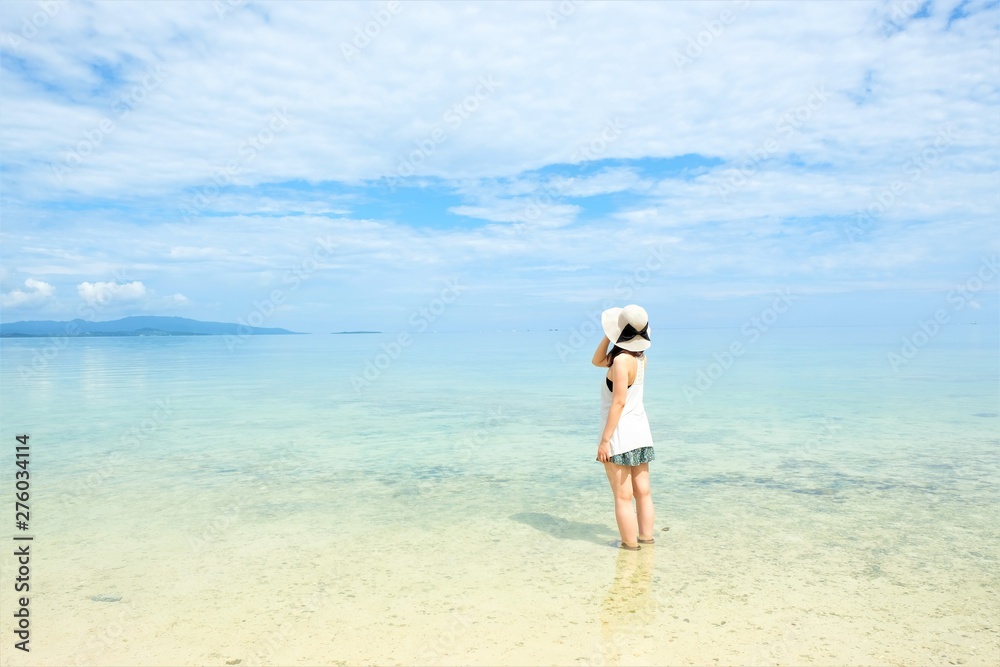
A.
pixel 272 162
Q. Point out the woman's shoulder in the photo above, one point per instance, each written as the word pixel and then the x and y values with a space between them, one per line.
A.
pixel 628 361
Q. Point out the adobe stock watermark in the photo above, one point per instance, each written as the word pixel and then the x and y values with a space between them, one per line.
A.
pixel 790 122
pixel 962 295
pixel 120 109
pixel 267 645
pixel 750 332
pixel 247 151
pixel 902 11
pixel 609 648
pixel 624 290
pixel 33 24
pixel 136 436
pixel 630 603
pixel 263 310
pixel 785 648
pixel 446 642
pixel 213 528
pixel 826 430
pixel 420 320
pixel 886 197
pixel 464 449
pixel 598 144
pixel 588 151
pixel 704 39
pixel 224 7
pixel 561 11
pixel 94 647
pixel 452 119
pixel 364 35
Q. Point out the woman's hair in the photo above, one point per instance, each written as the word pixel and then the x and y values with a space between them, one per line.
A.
pixel 615 351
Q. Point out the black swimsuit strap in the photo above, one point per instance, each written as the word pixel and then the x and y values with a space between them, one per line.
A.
pixel 611 385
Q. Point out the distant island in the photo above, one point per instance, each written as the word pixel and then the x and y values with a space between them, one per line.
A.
pixel 141 325
pixel 355 332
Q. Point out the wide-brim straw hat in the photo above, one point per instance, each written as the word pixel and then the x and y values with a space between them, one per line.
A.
pixel 627 327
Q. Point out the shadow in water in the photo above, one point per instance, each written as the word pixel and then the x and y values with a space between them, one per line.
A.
pixel 565 529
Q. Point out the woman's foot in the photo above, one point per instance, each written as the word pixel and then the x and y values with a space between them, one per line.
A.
pixel 645 540
pixel 631 546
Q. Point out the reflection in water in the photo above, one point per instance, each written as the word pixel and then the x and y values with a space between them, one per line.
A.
pixel 629 606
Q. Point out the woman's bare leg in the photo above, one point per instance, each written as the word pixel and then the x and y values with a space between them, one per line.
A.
pixel 621 486
pixel 643 500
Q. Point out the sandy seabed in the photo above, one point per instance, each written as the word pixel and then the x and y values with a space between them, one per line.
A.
pixel 856 580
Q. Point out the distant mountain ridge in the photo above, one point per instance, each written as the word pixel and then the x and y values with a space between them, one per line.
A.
pixel 137 325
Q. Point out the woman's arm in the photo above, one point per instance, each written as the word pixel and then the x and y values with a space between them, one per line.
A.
pixel 601 355
pixel 619 376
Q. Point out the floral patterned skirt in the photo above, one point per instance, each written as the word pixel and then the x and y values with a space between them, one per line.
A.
pixel 634 457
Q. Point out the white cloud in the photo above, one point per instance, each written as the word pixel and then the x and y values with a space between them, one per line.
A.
pixel 353 120
pixel 174 302
pixel 530 211
pixel 104 293
pixel 605 182
pixel 39 292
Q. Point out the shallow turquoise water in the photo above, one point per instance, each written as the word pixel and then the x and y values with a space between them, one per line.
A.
pixel 187 446
pixel 821 401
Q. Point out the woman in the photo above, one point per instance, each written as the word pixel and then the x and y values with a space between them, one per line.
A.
pixel 626 445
